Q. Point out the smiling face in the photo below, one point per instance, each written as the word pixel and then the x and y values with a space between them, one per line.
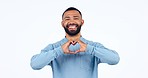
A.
pixel 72 22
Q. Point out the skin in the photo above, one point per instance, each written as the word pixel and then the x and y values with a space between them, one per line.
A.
pixel 73 17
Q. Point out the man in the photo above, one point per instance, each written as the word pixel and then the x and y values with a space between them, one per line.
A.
pixel 74 56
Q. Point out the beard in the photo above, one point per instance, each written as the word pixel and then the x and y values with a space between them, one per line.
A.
pixel 73 32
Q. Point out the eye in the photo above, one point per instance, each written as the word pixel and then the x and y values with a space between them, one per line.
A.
pixel 67 19
pixel 76 18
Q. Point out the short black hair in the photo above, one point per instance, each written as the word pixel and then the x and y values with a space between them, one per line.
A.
pixel 71 8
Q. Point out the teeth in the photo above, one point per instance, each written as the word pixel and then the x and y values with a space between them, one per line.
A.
pixel 72 26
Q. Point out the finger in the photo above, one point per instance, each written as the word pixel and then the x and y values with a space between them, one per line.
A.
pixel 69 42
pixel 79 41
pixel 77 51
pixel 72 52
pixel 73 42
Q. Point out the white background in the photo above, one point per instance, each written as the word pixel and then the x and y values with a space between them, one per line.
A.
pixel 27 26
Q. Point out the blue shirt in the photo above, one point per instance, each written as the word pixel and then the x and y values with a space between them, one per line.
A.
pixel 80 65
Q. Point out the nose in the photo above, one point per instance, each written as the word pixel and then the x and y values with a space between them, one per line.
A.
pixel 71 21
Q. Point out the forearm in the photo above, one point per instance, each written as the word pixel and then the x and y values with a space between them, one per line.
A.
pixel 103 54
pixel 44 58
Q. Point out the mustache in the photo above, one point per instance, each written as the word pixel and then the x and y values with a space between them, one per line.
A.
pixel 72 24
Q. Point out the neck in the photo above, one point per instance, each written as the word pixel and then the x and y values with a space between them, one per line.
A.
pixel 73 38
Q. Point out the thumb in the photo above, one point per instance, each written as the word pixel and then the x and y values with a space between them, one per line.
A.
pixel 77 51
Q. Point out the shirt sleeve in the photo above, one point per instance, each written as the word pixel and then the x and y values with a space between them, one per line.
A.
pixel 103 54
pixel 45 57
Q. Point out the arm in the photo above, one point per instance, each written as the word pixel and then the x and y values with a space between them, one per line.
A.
pixel 103 54
pixel 45 57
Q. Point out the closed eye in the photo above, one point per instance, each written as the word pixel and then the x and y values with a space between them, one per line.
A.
pixel 67 18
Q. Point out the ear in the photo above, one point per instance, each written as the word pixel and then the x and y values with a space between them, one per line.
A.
pixel 62 23
pixel 82 21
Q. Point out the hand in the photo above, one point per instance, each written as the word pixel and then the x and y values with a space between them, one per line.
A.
pixel 82 46
pixel 65 47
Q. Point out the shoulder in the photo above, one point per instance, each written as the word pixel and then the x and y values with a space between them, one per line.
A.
pixel 92 43
pixel 51 46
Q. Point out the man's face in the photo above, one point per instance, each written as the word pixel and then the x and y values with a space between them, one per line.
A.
pixel 72 22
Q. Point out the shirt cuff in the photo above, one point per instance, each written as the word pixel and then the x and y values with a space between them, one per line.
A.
pixel 59 51
pixel 90 49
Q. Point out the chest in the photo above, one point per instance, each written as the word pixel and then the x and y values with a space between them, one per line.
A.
pixel 75 61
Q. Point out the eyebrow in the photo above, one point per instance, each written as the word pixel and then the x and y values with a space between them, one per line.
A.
pixel 75 16
pixel 66 17
pixel 69 17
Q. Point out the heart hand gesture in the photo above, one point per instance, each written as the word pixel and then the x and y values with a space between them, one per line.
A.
pixel 65 47
pixel 82 46
pixel 66 50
